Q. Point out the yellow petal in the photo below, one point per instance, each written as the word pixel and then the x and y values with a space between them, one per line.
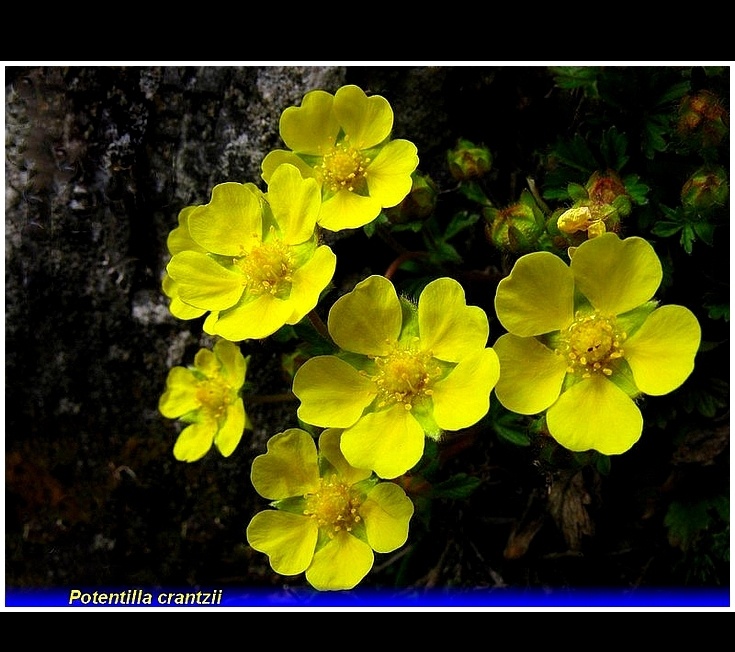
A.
pixel 389 442
pixel 386 513
pixel 329 447
pixel 231 223
pixel 253 320
pixel 312 127
pixel 531 374
pixel 341 564
pixel 332 392
pixel 295 203
pixel 448 327
pixel 389 175
pixel 288 539
pixel 595 414
pixel 661 352
pixel 180 239
pixel 234 364
pixel 346 210
pixel 309 281
pixel 207 362
pixel 616 275
pixel 204 283
pixel 463 397
pixel 288 468
pixel 230 432
pixel 180 395
pixel 368 319
pixel 194 441
pixel 367 121
pixel 278 157
pixel 537 297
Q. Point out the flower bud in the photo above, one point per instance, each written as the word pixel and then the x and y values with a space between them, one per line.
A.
pixel 703 121
pixel 468 161
pixel 516 228
pixel 706 189
pixel 418 204
pixel 608 188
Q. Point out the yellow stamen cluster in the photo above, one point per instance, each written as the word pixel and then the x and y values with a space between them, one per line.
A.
pixel 268 268
pixel 334 505
pixel 213 395
pixel 343 168
pixel 591 344
pixel 405 375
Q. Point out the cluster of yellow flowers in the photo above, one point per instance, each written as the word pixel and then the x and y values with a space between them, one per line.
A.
pixel 583 341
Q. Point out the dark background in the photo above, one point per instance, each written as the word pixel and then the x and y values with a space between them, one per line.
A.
pixel 99 161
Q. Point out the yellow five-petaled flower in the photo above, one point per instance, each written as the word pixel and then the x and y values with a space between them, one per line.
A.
pixel 343 141
pixel 329 516
pixel 404 372
pixel 252 261
pixel 207 397
pixel 586 339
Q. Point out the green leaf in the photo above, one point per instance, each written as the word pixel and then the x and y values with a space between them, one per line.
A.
pixel 705 231
pixel 718 311
pixel 613 146
pixel 571 77
pixel 474 192
pixel 653 135
pixel 457 487
pixel 687 238
pixel 666 229
pixel 576 154
pixel 460 222
pixel 637 190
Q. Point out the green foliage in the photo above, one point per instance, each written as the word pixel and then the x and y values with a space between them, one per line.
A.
pixel 701 530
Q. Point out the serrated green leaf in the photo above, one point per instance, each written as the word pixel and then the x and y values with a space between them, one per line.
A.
pixel 576 154
pixel 474 192
pixel 687 238
pixel 637 190
pixel 577 191
pixel 705 231
pixel 571 77
pixel 460 222
pixel 666 229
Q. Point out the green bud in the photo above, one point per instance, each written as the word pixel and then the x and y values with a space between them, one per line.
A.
pixel 706 189
pixel 418 204
pixel 516 228
pixel 469 161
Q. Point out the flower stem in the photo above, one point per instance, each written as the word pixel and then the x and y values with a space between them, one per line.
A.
pixel 270 398
pixel 319 325
pixel 402 258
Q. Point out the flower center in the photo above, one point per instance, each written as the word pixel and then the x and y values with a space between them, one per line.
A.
pixel 591 343
pixel 334 505
pixel 343 168
pixel 405 375
pixel 267 269
pixel 214 396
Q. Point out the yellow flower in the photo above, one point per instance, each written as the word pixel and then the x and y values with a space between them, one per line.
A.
pixel 585 339
pixel 343 141
pixel 404 372
pixel 258 264
pixel 207 396
pixel 329 516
